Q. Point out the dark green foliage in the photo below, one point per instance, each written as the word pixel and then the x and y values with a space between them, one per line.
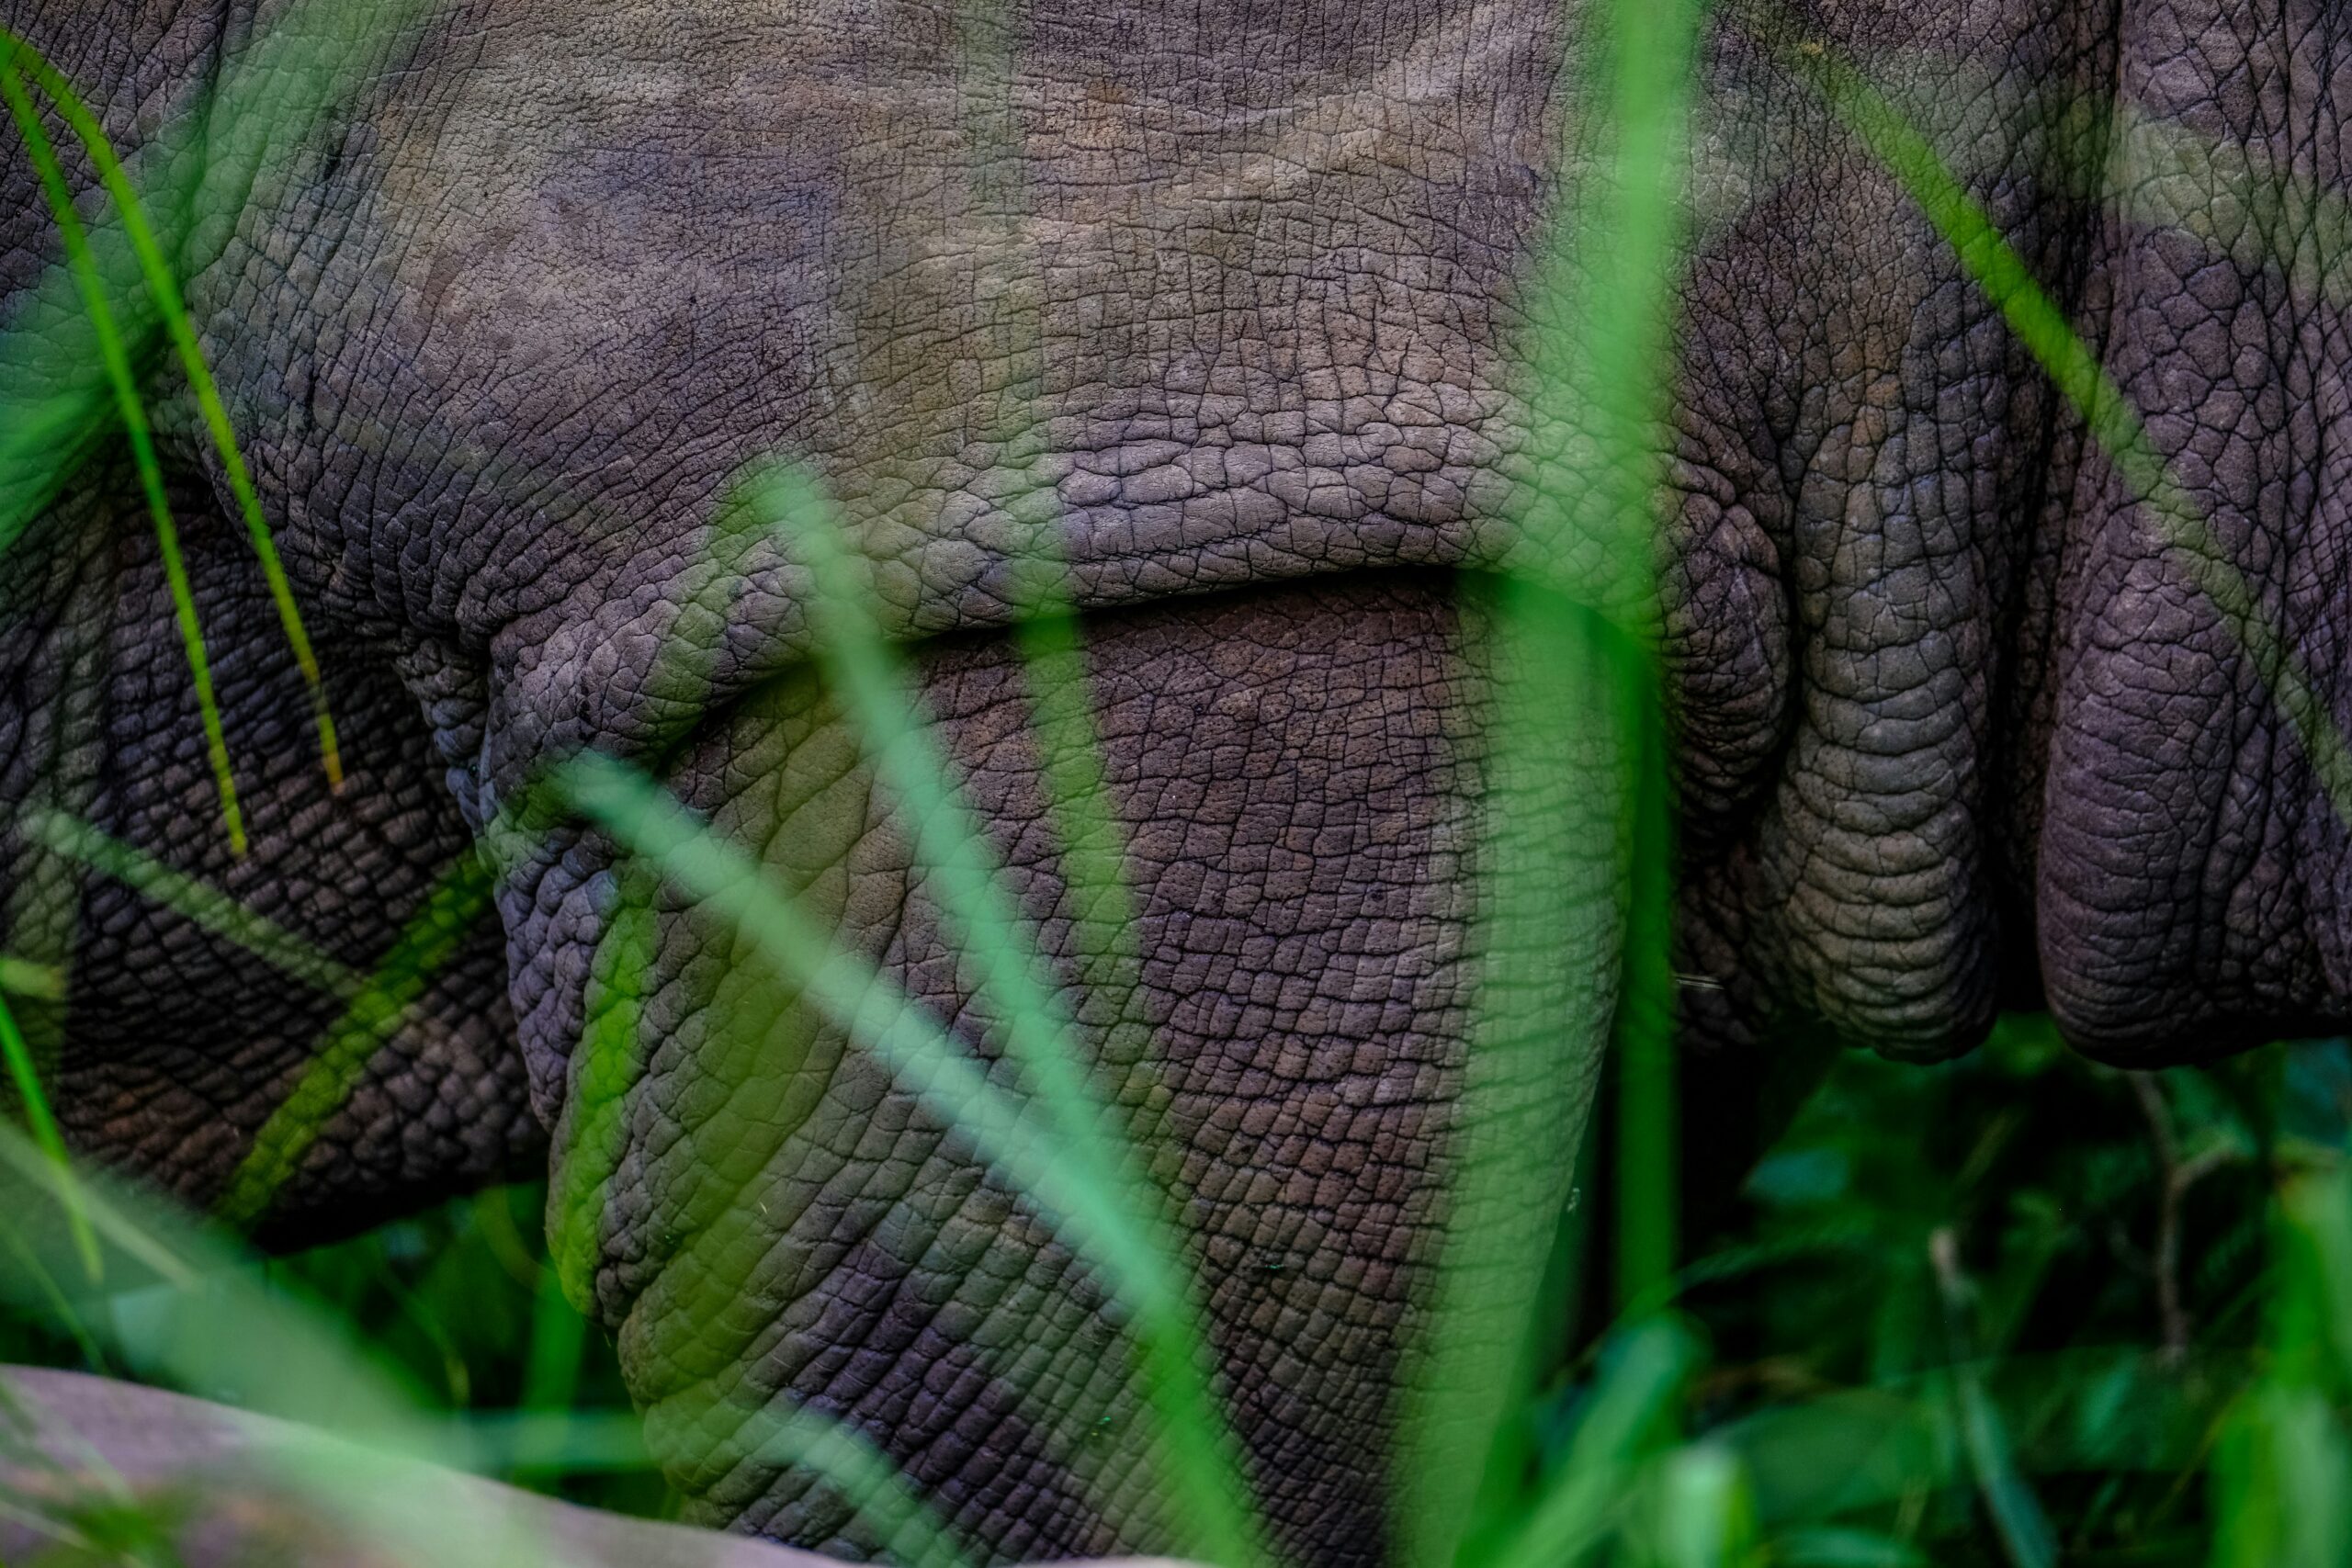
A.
pixel 2017 1308
pixel 1997 1222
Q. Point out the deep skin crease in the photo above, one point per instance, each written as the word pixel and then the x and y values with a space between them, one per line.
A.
pixel 1227 298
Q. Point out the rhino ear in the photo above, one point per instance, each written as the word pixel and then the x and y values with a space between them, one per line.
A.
pixel 168 1034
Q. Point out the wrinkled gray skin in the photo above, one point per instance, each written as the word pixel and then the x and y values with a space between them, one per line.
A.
pixel 1951 728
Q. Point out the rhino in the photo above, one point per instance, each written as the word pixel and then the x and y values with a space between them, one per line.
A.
pixel 1998 665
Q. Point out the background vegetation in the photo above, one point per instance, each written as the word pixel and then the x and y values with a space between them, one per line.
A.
pixel 2098 1254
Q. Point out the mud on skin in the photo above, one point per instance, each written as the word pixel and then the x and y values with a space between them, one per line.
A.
pixel 1235 312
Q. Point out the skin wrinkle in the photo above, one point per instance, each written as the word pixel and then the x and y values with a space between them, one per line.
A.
pixel 440 1109
pixel 1272 782
pixel 1950 731
pixel 2189 862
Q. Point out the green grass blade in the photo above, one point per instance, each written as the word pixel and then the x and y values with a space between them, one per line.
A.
pixel 31 979
pixel 283 1355
pixel 1103 912
pixel 268 90
pixel 430 938
pixel 1701 1515
pixel 1581 675
pixel 841 1455
pixel 590 1130
pixel 1648 1157
pixel 1093 846
pixel 2284 1449
pixel 374 1006
pixel 1045 628
pixel 205 907
pixel 1197 1447
pixel 873 1487
pixel 134 422
pixel 1548 941
pixel 50 1295
pixel 2017 1516
pixel 1830 1546
pixel 37 1169
pixel 590 1135
pixel 1616 361
pixel 42 1122
pixel 923 1057
pixel 165 290
pixel 577 1441
pixel 1628 1414
pixel 2278 1482
pixel 873 687
pixel 650 823
pixel 551 1372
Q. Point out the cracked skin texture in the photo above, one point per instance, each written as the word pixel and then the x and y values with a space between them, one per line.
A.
pixel 1951 728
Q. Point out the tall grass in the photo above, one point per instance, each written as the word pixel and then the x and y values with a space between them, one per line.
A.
pixel 1919 1430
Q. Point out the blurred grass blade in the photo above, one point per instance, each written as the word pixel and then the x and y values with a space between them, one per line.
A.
pixel 1648 1173
pixel 1832 1546
pixel 1571 679
pixel 951 1085
pixel 31 979
pixel 1700 1515
pixel 2017 1516
pixel 589 1131
pixel 2278 1479
pixel 581 1441
pixel 164 291
pixel 919 1051
pixel 429 938
pixel 649 823
pixel 1046 626
pixel 588 1136
pixel 2279 1468
pixel 950 844
pixel 26 1078
pixel 1548 941
pixel 2317 1213
pixel 283 1357
pixel 1619 358
pixel 873 687
pixel 643 817
pixel 872 1486
pixel 34 1167
pixel 205 168
pixel 50 1294
pixel 2080 376
pixel 1093 844
pixel 550 1371
pixel 133 414
pixel 205 907
pixel 1093 847
pixel 1627 1415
